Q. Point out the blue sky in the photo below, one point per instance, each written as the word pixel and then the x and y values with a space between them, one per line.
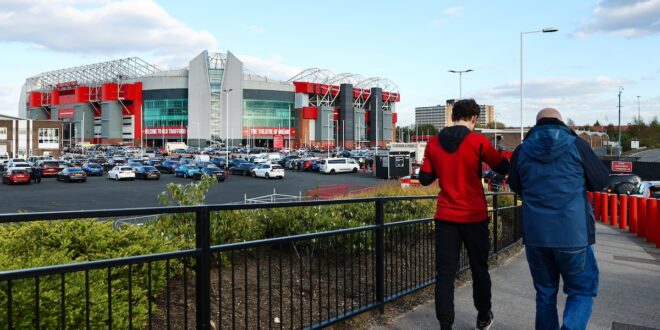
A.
pixel 600 46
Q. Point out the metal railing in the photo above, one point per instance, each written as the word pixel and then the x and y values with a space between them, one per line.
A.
pixel 305 281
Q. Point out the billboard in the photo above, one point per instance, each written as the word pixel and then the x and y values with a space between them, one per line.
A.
pixel 622 166
pixel 278 142
pixel 165 131
pixel 66 113
pixel 268 131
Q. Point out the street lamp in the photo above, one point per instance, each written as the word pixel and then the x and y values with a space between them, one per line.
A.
pixel 227 111
pixel 639 116
pixel 460 80
pixel 546 30
pixel 620 147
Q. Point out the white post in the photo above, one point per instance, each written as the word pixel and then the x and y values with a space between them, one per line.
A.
pixel 521 88
pixel 343 134
pixel 289 128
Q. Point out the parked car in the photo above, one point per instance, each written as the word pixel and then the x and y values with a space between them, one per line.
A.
pixel 288 160
pixel 235 162
pixel 49 167
pixel 269 171
pixel 168 166
pixel 648 189
pixel 244 169
pixel 121 172
pixel 213 171
pixel 92 169
pixel 116 161
pixel 147 173
pixel 187 171
pixel 15 175
pixel 338 165
pixel 71 174
pixel 623 183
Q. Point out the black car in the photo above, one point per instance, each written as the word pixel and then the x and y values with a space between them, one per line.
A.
pixel 146 173
pixel 284 160
pixel 219 161
pixel 623 183
pixel 71 174
pixel 168 166
pixel 244 169
pixel 235 162
pixel 213 171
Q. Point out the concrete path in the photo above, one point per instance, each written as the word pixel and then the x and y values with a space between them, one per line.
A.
pixel 629 296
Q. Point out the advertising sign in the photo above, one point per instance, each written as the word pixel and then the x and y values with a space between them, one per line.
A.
pixel 165 131
pixel 66 113
pixel 268 131
pixel 278 142
pixel 622 166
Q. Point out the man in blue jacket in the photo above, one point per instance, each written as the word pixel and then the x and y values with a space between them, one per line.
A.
pixel 552 170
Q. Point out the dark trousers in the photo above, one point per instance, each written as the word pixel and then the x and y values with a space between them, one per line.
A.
pixel 448 239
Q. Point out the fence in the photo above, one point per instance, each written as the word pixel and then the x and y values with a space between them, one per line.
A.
pixel 638 215
pixel 302 281
pixel 647 169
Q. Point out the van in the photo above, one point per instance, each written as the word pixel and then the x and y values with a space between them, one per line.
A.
pixel 337 165
pixel 202 158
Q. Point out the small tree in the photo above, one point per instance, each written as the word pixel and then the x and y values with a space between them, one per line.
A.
pixel 495 124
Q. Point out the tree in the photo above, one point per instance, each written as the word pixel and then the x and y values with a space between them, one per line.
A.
pixel 495 124
pixel 597 123
pixel 426 129
pixel 570 122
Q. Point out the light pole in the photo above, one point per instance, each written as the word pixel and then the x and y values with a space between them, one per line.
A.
pixel 460 80
pixel 619 147
pixel 639 116
pixel 227 111
pixel 546 30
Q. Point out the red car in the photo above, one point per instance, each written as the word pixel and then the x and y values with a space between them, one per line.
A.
pixel 12 176
pixel 50 168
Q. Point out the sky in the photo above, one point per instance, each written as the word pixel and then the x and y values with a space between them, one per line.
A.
pixel 601 46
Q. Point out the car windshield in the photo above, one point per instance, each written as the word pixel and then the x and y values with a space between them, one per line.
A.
pixel 51 164
pixel 149 168
pixel 18 172
pixel 74 170
pixel 125 169
pixel 277 167
pixel 93 165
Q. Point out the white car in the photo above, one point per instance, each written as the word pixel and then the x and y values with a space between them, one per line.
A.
pixel 20 165
pixel 269 171
pixel 337 165
pixel 121 172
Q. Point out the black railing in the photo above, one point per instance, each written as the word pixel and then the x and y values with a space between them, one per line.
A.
pixel 302 281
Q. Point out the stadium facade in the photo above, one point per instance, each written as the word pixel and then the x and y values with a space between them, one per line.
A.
pixel 213 100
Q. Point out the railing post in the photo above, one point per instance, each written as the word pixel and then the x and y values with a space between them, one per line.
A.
pixel 380 256
pixel 203 267
pixel 516 217
pixel 495 206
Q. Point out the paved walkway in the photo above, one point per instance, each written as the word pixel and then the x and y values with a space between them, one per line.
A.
pixel 629 296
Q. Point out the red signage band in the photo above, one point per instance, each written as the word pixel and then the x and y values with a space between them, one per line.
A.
pixel 66 84
pixel 278 142
pixel 165 131
pixel 268 131
pixel 66 113
pixel 618 166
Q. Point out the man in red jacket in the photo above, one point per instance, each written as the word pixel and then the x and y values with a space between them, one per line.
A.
pixel 454 158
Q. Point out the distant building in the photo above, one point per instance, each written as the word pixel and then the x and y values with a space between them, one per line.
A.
pixel 440 115
pixel 21 138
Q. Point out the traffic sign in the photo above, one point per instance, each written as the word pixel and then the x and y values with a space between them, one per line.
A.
pixel 618 166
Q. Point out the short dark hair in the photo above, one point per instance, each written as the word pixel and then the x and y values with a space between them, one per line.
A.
pixel 465 109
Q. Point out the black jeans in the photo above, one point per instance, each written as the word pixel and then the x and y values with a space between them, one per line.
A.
pixel 448 239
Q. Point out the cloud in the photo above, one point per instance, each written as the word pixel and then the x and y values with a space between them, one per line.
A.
pixel 101 27
pixel 9 95
pixel 624 18
pixel 554 87
pixel 272 68
pixel 446 15
pixel 254 28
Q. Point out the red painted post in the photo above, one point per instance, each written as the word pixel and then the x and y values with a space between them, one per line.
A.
pixel 623 212
pixel 641 217
pixel 651 219
pixel 614 212
pixel 657 227
pixel 633 214
pixel 597 205
pixel 604 202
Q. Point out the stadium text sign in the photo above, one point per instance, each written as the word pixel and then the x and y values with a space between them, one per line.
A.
pixel 622 166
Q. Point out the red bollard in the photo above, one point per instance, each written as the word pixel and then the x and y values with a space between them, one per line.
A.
pixel 597 206
pixel 614 213
pixel 651 220
pixel 657 227
pixel 623 212
pixel 604 202
pixel 641 217
pixel 633 214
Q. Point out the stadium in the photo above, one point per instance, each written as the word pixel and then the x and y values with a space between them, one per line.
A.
pixel 214 100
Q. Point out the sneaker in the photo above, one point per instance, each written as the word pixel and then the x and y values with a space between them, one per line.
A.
pixel 485 325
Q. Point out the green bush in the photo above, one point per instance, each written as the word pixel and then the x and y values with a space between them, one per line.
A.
pixel 39 244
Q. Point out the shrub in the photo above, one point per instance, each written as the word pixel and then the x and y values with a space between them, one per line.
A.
pixel 38 244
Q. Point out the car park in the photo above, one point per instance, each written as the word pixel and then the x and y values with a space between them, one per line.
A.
pixel 623 183
pixel 187 171
pixel 146 172
pixel 235 162
pixel 49 167
pixel 15 175
pixel 92 169
pixel 168 166
pixel 71 174
pixel 269 171
pixel 244 169
pixel 214 171
pixel 339 165
pixel 22 165
pixel 121 172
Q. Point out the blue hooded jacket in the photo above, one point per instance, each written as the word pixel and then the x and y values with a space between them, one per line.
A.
pixel 553 170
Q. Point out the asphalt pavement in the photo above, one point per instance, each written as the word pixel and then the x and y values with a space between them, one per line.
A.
pixel 101 193
pixel 627 299
pixel 648 155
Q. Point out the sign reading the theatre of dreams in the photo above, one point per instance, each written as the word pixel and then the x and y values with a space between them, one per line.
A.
pixel 622 166
pixel 66 113
pixel 268 131
pixel 165 131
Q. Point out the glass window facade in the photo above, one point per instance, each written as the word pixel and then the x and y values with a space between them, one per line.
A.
pixel 169 112
pixel 267 113
pixel 215 78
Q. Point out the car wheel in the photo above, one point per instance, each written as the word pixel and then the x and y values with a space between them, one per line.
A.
pixel 332 171
pixel 245 173
pixel 84 180
pixel 355 170
pixel 267 176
